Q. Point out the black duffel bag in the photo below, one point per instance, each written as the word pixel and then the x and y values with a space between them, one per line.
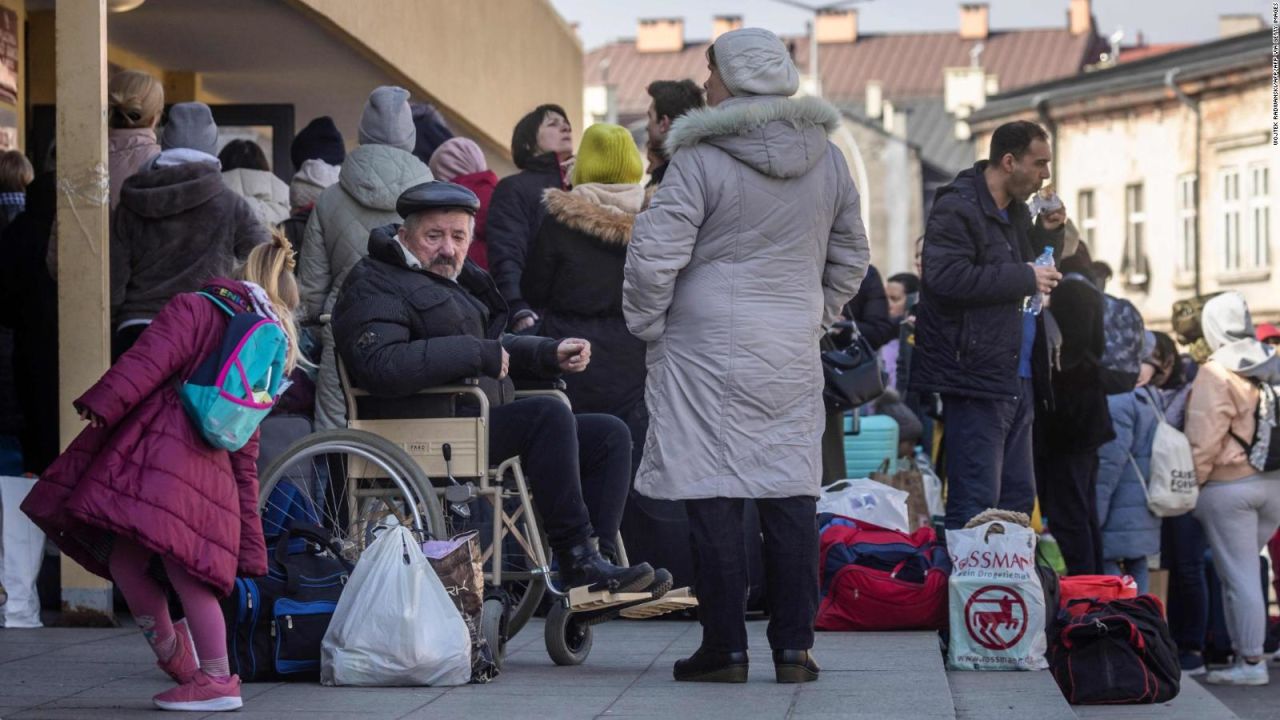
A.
pixel 275 622
pixel 1118 652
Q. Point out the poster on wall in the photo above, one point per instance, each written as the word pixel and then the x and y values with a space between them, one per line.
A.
pixel 9 30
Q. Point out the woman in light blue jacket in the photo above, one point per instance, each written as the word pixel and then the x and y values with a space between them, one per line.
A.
pixel 1129 531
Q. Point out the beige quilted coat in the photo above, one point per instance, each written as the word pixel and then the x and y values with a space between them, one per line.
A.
pixel 337 237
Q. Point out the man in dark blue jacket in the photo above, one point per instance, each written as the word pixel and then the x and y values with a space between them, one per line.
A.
pixel 975 346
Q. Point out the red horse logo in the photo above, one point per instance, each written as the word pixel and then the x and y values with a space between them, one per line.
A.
pixel 996 617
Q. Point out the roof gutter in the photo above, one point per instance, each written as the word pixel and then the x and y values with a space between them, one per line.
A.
pixel 1171 82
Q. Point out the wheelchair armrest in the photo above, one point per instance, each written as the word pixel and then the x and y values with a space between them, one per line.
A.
pixel 534 388
pixel 465 387
pixel 544 386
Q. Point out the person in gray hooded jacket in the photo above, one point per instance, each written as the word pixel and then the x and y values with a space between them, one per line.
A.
pixel 751 246
pixel 337 235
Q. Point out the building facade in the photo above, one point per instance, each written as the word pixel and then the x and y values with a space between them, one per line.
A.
pixel 1165 165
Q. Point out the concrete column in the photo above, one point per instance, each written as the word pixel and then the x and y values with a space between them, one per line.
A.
pixel 84 302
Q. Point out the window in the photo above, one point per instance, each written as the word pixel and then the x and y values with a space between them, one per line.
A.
pixel 1187 188
pixel 1230 249
pixel 1135 255
pixel 1087 223
pixel 1257 254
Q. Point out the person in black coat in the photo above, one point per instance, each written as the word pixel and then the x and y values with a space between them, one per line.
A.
pixel 976 345
pixel 574 273
pixel 542 147
pixel 1069 433
pixel 416 313
pixel 29 305
pixel 869 310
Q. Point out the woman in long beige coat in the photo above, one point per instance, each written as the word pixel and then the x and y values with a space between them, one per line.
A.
pixel 750 247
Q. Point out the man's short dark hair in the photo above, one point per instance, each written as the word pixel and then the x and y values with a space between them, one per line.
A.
pixel 524 139
pixel 1015 138
pixel 673 98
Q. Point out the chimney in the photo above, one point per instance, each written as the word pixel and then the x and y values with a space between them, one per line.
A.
pixel 837 26
pixel 1231 25
pixel 721 24
pixel 875 99
pixel 656 35
pixel 974 21
pixel 964 89
pixel 1080 17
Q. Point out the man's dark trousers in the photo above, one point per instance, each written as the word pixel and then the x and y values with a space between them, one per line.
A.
pixel 989 454
pixel 1069 502
pixel 579 466
pixel 790 527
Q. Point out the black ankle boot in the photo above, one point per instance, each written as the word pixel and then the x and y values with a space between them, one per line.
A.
pixel 717 667
pixel 582 564
pixel 794 666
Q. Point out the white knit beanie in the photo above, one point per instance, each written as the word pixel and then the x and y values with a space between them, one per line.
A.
pixel 753 61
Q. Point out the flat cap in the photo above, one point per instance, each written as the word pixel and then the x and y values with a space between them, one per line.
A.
pixel 436 195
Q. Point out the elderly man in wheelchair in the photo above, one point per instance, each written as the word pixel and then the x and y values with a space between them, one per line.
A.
pixel 416 314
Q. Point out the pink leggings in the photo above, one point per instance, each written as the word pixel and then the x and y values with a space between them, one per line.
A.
pixel 150 607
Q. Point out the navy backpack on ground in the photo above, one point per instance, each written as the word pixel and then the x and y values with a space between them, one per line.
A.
pixel 275 623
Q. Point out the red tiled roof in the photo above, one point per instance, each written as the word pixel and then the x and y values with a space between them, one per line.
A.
pixel 906 64
pixel 1141 52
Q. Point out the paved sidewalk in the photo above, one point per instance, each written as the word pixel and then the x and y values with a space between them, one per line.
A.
pixel 110 674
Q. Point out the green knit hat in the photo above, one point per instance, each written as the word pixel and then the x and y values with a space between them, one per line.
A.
pixel 608 154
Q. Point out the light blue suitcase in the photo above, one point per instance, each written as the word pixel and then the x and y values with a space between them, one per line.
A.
pixel 875 441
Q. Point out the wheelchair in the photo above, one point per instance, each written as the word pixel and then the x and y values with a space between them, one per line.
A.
pixel 432 474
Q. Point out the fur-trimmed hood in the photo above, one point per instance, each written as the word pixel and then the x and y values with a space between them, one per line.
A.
pixel 602 211
pixel 779 137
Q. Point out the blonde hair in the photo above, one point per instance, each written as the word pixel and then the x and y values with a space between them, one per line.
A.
pixel 16 172
pixel 135 100
pixel 270 266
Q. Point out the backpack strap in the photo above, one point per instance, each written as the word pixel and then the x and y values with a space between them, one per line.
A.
pixel 218 302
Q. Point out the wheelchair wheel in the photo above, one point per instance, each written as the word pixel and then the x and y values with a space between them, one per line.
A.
pixel 492 619
pixel 352 483
pixel 568 640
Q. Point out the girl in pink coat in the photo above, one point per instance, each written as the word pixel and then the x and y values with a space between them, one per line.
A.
pixel 141 484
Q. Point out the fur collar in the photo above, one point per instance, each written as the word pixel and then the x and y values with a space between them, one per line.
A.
pixel 738 115
pixel 610 224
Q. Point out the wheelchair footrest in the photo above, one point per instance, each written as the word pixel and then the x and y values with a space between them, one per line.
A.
pixel 584 599
pixel 674 601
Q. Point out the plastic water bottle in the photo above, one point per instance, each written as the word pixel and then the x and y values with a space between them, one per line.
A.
pixel 1035 303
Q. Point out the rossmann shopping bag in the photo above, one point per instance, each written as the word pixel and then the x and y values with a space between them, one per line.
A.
pixel 996 601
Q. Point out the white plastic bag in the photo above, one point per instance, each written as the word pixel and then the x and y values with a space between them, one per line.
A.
pixel 1172 489
pixel 932 485
pixel 395 623
pixel 867 500
pixel 21 552
pixel 997 603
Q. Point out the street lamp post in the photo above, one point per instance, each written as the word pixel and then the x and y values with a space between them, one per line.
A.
pixel 813 33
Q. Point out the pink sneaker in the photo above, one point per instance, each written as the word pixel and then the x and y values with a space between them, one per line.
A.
pixel 184 664
pixel 202 694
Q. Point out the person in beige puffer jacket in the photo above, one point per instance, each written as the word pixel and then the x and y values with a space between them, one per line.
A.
pixel 337 235
pixel 1239 504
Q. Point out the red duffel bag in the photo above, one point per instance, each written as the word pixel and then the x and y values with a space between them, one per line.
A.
pixel 1101 588
pixel 874 578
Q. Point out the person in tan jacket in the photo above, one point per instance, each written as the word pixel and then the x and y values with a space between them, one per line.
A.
pixel 1239 503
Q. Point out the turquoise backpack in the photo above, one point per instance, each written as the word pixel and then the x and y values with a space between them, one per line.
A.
pixel 234 389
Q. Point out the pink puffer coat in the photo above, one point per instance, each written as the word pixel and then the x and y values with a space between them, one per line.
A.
pixel 148 474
